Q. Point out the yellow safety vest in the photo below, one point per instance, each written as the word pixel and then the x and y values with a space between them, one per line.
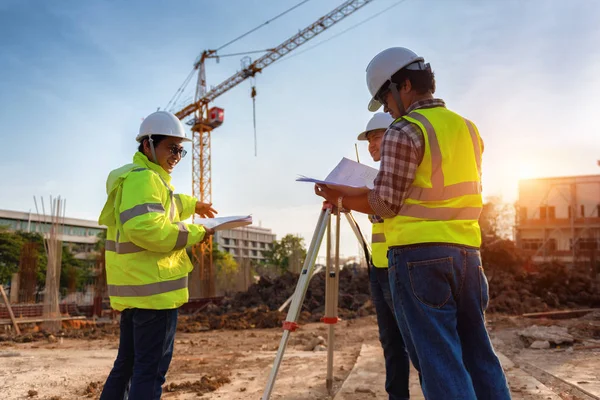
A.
pixel 444 202
pixel 379 246
pixel 146 262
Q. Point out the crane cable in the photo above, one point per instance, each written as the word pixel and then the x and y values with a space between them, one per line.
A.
pixel 263 24
pixel 180 91
pixel 344 31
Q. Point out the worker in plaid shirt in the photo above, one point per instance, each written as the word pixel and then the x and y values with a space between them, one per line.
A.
pixel 428 192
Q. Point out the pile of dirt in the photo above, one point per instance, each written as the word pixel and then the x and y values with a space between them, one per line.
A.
pixel 206 384
pixel 257 307
pixel 552 286
pixel 88 331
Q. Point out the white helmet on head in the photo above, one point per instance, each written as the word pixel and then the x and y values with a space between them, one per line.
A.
pixel 161 123
pixel 378 121
pixel 387 63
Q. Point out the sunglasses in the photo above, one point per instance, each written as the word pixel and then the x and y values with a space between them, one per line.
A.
pixel 381 94
pixel 178 151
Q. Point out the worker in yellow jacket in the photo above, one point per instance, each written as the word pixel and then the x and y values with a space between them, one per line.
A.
pixel 428 192
pixel 147 265
pixel 397 364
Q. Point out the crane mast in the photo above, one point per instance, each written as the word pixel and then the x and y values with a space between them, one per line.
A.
pixel 203 120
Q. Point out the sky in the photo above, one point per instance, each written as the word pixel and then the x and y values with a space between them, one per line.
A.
pixel 77 78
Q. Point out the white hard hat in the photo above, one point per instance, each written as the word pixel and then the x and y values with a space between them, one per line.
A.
pixel 162 123
pixel 378 121
pixel 387 63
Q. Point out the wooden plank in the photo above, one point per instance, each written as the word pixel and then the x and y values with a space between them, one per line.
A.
pixel 561 314
pixel 10 312
pixel 38 320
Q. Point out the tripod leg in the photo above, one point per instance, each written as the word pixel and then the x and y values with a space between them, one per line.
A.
pixel 359 236
pixel 290 322
pixel 332 293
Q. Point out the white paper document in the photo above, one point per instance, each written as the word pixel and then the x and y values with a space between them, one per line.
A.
pixel 349 177
pixel 223 223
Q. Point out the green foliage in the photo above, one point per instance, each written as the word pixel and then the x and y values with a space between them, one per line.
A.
pixel 75 274
pixel 287 254
pixel 11 244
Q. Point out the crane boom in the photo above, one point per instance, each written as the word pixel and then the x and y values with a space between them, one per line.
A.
pixel 325 22
pixel 202 278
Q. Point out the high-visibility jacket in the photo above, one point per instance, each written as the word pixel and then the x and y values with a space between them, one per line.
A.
pixel 444 202
pixel 146 262
pixel 378 246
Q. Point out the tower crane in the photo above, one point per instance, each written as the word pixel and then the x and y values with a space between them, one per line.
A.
pixel 203 119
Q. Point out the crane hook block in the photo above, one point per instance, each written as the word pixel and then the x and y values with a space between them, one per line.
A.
pixel 215 117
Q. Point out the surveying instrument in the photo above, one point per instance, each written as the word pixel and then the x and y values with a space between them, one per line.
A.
pixel 332 270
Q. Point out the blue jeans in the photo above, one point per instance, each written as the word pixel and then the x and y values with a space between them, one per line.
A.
pixel 145 352
pixel 440 294
pixel 397 365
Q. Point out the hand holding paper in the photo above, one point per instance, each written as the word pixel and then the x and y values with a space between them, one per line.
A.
pixel 349 178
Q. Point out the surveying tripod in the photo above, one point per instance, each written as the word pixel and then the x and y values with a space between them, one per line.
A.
pixel 331 288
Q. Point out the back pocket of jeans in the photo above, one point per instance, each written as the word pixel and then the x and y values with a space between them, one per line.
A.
pixel 430 281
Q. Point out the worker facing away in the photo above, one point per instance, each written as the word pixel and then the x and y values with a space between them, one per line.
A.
pixel 397 364
pixel 428 191
pixel 147 265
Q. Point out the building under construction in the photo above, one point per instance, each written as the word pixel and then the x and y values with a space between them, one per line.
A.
pixel 558 219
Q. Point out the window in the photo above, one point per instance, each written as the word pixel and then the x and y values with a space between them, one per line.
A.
pixel 531 244
pixel 226 242
pixel 542 212
pixel 582 210
pixel 262 245
pixel 254 253
pixel 551 212
pixel 598 210
pixel 587 244
pixel 254 244
pixel 570 212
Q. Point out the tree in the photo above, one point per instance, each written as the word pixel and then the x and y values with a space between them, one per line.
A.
pixel 496 219
pixel 75 274
pixel 10 253
pixel 287 254
pixel 11 244
pixel 226 269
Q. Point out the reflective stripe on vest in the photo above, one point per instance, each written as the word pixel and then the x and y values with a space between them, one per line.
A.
pixel 444 202
pixel 438 191
pixel 379 246
pixel 141 209
pixel 378 238
pixel 149 289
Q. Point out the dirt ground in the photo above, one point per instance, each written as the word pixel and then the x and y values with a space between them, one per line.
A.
pixel 234 364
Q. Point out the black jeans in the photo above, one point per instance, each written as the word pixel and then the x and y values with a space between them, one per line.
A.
pixel 397 365
pixel 145 352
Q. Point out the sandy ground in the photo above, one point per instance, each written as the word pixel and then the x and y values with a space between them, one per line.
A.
pixel 231 365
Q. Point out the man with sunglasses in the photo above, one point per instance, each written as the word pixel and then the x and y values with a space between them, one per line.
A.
pixel 147 265
pixel 428 192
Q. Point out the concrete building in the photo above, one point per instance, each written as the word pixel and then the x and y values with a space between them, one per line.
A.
pixel 559 219
pixel 246 243
pixel 79 234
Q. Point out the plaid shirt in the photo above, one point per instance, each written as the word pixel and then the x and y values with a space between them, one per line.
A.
pixel 402 150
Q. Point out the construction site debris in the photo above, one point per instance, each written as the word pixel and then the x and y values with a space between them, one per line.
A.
pixel 540 344
pixel 206 384
pixel 258 306
pixel 553 287
pixel 555 335
pixel 562 314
